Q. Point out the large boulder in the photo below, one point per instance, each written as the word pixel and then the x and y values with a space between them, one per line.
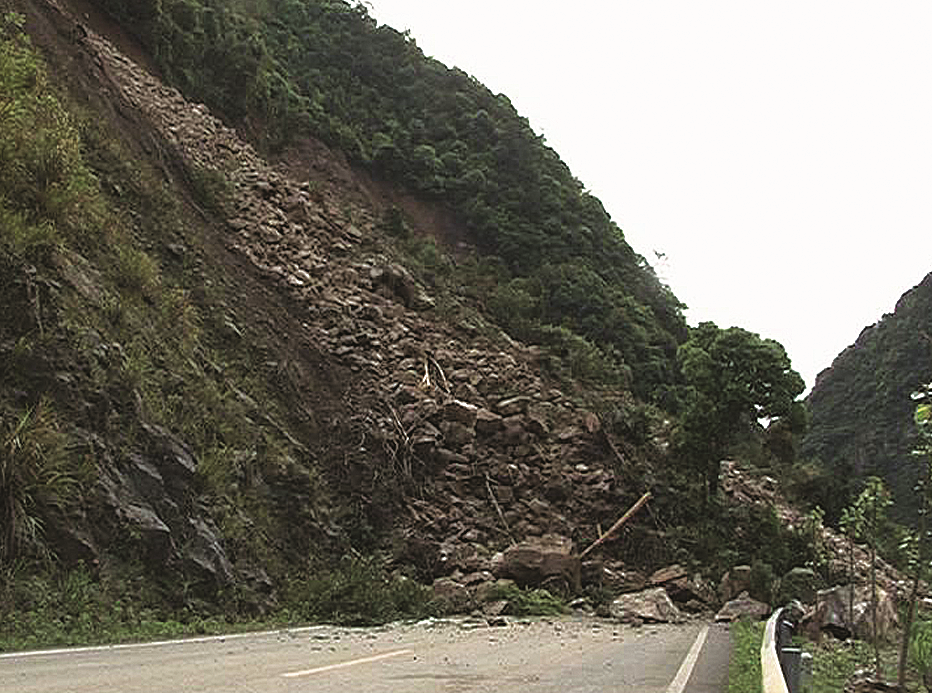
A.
pixel 395 282
pixel 652 606
pixel 668 574
pixel 844 614
pixel 734 582
pixel 743 607
pixel 691 593
pixel 541 560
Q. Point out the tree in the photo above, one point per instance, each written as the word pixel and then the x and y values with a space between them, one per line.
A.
pixel 733 378
pixel 923 450
pixel 851 523
pixel 871 506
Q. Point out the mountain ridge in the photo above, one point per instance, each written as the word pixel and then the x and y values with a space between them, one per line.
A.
pixel 861 409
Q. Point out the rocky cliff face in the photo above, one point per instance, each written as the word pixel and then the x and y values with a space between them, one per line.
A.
pixel 404 421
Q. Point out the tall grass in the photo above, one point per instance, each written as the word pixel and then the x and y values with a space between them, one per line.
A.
pixel 36 476
pixel 744 672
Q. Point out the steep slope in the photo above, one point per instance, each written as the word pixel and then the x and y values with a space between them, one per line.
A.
pixel 229 367
pixel 861 408
pixel 236 376
pixel 283 69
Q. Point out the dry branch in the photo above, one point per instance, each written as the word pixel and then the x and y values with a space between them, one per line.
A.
pixel 615 527
pixel 498 509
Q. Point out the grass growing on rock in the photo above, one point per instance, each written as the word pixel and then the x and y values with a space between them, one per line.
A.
pixel 58 607
pixel 834 662
pixel 529 602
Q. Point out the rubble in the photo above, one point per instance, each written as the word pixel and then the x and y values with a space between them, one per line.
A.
pixel 463 414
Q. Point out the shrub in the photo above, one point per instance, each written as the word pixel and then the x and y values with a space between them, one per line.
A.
pixel 920 652
pixel 528 602
pixel 357 592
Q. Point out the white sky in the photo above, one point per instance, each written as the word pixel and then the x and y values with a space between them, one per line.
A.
pixel 778 153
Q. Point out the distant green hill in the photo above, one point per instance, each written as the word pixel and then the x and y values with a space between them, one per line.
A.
pixel 861 411
pixel 326 68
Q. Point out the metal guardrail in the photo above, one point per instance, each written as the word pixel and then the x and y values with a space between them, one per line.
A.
pixel 783 669
pixel 771 671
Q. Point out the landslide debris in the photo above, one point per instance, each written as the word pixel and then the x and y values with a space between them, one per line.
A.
pixel 443 436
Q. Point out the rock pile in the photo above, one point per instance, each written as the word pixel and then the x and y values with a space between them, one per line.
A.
pixel 493 453
pixel 743 488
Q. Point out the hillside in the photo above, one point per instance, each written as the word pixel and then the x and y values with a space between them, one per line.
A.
pixel 247 373
pixel 557 268
pixel 861 410
pixel 250 380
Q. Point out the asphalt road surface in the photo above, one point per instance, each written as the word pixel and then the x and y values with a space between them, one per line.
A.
pixel 565 655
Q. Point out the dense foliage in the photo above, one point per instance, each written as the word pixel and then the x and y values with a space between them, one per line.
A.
pixel 861 408
pixel 733 379
pixel 46 200
pixel 326 68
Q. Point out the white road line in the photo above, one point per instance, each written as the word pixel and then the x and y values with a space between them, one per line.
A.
pixel 158 643
pixel 686 668
pixel 351 663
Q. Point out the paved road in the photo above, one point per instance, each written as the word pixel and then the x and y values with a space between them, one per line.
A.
pixel 569 656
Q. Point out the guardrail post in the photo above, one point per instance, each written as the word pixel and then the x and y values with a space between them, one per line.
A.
pixel 805 673
pixel 791 663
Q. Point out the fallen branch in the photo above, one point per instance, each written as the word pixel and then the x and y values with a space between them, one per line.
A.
pixel 498 509
pixel 614 448
pixel 445 386
pixel 615 527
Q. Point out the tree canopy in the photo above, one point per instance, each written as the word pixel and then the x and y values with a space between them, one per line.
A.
pixel 732 378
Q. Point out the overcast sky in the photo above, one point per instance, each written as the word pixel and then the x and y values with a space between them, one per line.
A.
pixel 778 154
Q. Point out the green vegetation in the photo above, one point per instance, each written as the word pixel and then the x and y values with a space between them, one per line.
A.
pixel 326 68
pixel 919 653
pixel 37 477
pixel 859 409
pixel 72 607
pixel 58 607
pixel 529 602
pixel 108 334
pixel 356 593
pixel 46 201
pixel 725 536
pixel 916 645
pixel 733 379
pixel 835 662
pixel 744 671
